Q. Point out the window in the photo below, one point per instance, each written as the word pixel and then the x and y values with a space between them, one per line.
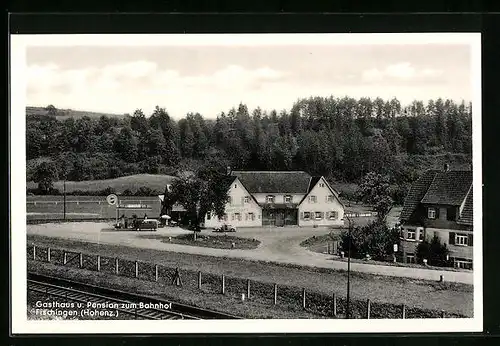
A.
pixel 232 217
pixel 312 199
pixel 230 200
pixel 288 199
pixel 307 215
pixel 251 216
pixel 270 199
pixel 421 234
pixel 461 239
pixel 321 185
pixel 235 186
pixel 451 213
pixel 410 235
pixel 246 199
pixel 333 215
pixel 410 258
pixel 237 216
pixel 318 215
pixel 209 216
pixel 329 199
pixel 431 213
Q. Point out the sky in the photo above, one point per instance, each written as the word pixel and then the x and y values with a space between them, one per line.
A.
pixel 210 79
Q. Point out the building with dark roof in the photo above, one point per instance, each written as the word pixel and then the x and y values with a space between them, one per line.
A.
pixel 439 204
pixel 279 198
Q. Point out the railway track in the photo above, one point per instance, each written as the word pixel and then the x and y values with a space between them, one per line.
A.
pixel 125 302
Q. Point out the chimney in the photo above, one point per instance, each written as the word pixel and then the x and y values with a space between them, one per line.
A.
pixel 446 167
pixel 228 170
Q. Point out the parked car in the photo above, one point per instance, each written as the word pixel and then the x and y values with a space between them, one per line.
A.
pixel 225 228
pixel 147 225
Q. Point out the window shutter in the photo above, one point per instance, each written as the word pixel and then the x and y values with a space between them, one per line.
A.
pixel 322 214
pixel 327 215
pixel 242 200
pixel 452 238
pixel 302 215
pixel 437 213
pixel 469 240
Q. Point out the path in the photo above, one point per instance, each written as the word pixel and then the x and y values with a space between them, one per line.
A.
pixel 277 245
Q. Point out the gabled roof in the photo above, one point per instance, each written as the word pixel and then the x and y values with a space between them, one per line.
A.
pixel 449 188
pixel 438 187
pixel 274 181
pixel 313 182
pixel 417 192
pixel 466 215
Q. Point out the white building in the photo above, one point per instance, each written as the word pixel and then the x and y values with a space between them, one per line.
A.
pixel 279 198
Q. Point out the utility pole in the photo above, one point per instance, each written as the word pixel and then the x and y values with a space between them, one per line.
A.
pixel 348 311
pixel 64 199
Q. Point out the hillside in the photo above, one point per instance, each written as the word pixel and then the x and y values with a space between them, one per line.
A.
pixel 132 182
pixel 70 113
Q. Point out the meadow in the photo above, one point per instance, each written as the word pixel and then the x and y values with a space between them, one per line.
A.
pixel 156 182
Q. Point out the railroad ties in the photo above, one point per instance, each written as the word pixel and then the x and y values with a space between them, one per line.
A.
pixel 125 307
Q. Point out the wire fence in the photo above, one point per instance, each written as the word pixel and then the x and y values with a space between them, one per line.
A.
pixel 289 297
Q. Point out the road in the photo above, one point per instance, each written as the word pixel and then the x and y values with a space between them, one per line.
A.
pixel 277 245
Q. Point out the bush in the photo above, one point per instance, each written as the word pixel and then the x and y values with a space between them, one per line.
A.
pixel 127 192
pixel 433 251
pixel 374 239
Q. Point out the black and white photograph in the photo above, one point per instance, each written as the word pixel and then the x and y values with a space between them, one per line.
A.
pixel 248 183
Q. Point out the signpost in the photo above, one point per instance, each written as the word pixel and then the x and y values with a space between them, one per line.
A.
pixel 113 200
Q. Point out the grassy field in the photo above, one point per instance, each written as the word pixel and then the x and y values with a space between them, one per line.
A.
pixel 86 207
pixel 132 182
pixel 451 297
pixel 70 113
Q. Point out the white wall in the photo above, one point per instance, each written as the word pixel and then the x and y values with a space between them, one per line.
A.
pixel 321 191
pixel 237 193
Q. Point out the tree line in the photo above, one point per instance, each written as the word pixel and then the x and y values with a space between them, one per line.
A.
pixel 340 138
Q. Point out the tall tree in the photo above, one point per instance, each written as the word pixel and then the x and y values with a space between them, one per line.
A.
pixel 45 175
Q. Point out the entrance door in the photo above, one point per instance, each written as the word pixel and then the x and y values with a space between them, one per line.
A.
pixel 280 218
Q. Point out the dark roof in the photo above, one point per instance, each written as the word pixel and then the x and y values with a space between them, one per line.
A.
pixel 438 187
pixel 466 215
pixel 228 180
pixel 314 181
pixel 274 181
pixel 449 188
pixel 417 192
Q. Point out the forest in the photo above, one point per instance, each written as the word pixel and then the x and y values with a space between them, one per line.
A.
pixel 340 138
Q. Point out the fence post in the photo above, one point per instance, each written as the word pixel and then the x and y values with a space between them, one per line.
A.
pixel 156 272
pixel 404 312
pixel 199 280
pixel 98 263
pixel 303 298
pixel 248 289
pixel 81 260
pixel 34 252
pixel 116 266
pixel 136 269
pixel 334 305
pixel 443 314
pixel 65 257
pixel 223 284
pixel 368 308
pixel 275 294
pixel 48 254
